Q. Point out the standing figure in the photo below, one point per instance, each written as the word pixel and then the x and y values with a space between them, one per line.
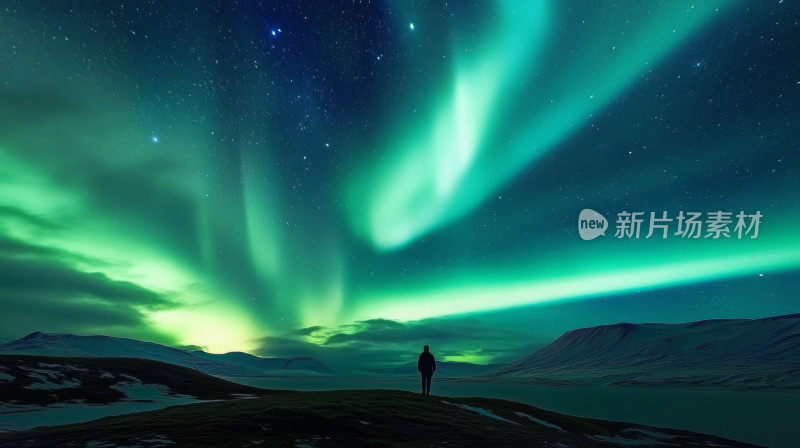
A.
pixel 426 366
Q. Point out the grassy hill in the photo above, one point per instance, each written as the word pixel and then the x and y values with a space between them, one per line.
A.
pixel 356 418
pixel 46 380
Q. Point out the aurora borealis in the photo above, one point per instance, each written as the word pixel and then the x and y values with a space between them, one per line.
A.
pixel 324 178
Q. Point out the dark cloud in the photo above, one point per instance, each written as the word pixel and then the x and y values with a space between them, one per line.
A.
pixel 348 359
pixel 25 312
pixel 14 248
pixel 15 213
pixel 41 288
pixel 36 311
pixel 308 331
pixel 192 348
pixel 381 343
pixel 439 330
pixel 146 194
pixel 48 277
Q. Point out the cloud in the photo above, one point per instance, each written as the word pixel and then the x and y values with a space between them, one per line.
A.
pixel 18 214
pixel 49 277
pixel 148 195
pixel 383 343
pixel 441 331
pixel 308 331
pixel 42 288
pixel 192 348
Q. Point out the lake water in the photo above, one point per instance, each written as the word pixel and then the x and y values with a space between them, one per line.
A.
pixel 141 398
pixel 767 418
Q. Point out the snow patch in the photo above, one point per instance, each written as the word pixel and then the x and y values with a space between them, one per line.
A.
pixel 538 420
pixel 46 380
pixel 159 439
pixel 481 411
pixel 98 444
pixel 650 433
pixel 63 366
pixel 244 396
pixel 306 443
pixel 627 442
pixel 6 377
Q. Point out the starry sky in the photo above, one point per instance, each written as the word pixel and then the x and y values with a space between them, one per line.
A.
pixel 351 180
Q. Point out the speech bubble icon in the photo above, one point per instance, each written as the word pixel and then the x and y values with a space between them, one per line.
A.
pixel 591 224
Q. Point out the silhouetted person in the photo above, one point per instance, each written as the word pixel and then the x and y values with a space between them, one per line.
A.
pixel 426 366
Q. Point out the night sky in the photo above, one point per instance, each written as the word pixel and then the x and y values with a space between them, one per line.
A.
pixel 351 180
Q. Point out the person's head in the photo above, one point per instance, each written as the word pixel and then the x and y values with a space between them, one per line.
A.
pixel 426 348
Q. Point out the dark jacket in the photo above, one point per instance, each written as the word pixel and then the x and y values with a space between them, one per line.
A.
pixel 426 363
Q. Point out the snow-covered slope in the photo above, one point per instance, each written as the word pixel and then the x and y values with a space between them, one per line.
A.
pixel 46 390
pixel 229 364
pixel 724 352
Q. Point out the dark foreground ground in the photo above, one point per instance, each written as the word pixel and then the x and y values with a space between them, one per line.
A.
pixel 50 380
pixel 356 418
pixel 241 415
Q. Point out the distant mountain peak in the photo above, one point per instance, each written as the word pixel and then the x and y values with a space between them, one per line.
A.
pixel 42 335
pixel 619 331
pixel 34 335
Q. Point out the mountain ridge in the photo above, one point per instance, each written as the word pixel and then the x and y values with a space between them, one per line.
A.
pixel 724 352
pixel 227 364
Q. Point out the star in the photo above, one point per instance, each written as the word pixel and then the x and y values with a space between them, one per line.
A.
pixel 155 139
pixel 411 25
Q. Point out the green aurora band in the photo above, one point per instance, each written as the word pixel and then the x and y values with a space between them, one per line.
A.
pixel 433 176
pixel 163 183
